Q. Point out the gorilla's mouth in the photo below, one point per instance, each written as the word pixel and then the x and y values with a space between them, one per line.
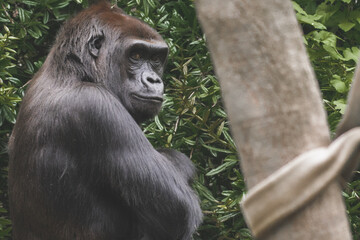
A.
pixel 155 99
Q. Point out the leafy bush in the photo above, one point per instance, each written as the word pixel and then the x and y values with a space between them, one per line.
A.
pixel 193 119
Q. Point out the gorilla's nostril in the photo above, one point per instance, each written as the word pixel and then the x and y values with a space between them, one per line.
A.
pixel 153 79
pixel 150 78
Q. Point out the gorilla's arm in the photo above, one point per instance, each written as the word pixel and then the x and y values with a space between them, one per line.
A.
pixel 111 142
pixel 181 162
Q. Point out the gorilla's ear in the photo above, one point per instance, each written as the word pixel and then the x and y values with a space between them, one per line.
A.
pixel 95 44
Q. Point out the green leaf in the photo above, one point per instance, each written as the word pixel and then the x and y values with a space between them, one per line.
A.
pixel 189 142
pixel 158 123
pixel 21 14
pixel 151 3
pixel 229 139
pixel 311 20
pixel 215 149
pixel 326 11
pixel 23 32
pixel 8 114
pixel 220 112
pixel 351 54
pixel 4 20
pixel 16 81
pixel 222 168
pixel 298 9
pixel 220 129
pixel 340 105
pixel 339 85
pixel 33 33
pixel 30 3
pixel 228 216
pixel 30 66
pixel 325 37
pixel 46 17
pixel 203 191
pixel 346 26
pixel 62 4
pixel 146 7
pixel 333 52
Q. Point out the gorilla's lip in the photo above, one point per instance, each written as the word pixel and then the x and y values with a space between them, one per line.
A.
pixel 149 98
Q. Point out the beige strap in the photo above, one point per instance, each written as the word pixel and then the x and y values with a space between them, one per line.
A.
pixel 298 182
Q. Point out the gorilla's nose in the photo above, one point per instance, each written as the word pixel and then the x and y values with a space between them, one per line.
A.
pixel 152 81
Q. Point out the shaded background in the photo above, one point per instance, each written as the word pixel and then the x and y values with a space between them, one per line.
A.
pixel 193 120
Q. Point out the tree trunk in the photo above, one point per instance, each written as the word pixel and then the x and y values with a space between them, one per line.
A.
pixel 273 102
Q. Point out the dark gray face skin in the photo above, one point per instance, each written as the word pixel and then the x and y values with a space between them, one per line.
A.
pixel 142 88
pixel 136 73
pixel 80 166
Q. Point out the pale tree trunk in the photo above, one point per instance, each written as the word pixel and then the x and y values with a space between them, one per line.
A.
pixel 273 102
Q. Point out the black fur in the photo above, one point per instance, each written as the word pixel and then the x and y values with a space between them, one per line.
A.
pixel 80 166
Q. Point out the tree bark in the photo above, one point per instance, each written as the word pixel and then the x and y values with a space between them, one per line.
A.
pixel 273 102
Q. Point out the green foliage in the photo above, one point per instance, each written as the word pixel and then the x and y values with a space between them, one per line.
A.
pixel 332 33
pixel 193 119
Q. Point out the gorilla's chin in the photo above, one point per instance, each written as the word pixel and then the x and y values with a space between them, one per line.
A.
pixel 144 109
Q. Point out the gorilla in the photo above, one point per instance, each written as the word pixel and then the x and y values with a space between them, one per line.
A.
pixel 80 166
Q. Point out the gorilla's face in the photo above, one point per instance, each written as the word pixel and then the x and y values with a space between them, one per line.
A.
pixel 141 85
pixel 134 69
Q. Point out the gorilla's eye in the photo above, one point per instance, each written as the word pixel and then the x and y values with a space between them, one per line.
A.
pixel 97 43
pixel 156 59
pixel 136 56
